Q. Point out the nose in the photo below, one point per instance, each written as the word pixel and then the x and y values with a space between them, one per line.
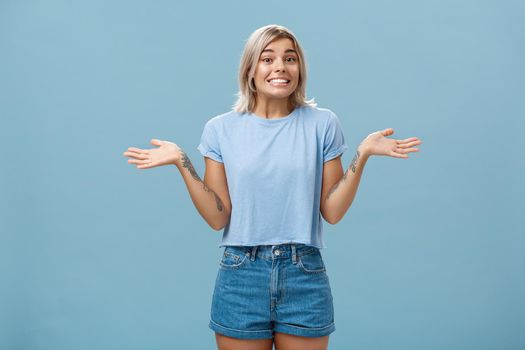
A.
pixel 279 66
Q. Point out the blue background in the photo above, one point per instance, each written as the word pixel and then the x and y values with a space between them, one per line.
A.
pixel 96 254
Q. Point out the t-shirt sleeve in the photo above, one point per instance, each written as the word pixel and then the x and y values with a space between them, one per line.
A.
pixel 334 140
pixel 209 145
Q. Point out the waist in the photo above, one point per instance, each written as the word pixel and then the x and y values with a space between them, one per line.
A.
pixel 284 250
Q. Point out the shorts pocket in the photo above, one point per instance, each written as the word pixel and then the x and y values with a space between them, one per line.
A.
pixel 312 262
pixel 232 259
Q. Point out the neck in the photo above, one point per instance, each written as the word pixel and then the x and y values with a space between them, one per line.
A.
pixel 270 108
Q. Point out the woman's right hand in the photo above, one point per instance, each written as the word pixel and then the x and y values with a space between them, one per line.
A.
pixel 167 153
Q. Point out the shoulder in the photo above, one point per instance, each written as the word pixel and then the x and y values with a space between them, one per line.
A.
pixel 322 117
pixel 221 119
pixel 319 113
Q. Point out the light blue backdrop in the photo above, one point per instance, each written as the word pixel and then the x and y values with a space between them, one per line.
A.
pixel 96 254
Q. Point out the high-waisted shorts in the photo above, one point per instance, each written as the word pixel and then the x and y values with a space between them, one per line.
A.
pixel 264 289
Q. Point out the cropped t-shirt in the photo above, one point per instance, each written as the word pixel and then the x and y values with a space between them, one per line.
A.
pixel 274 171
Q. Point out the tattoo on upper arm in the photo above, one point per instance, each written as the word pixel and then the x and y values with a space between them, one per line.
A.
pixel 186 163
pixel 352 166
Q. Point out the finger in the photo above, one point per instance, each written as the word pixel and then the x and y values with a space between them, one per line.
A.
pixel 409 144
pixel 137 150
pixel 387 132
pixel 145 166
pixel 410 139
pixel 136 155
pixel 399 150
pixel 406 150
pixel 156 142
pixel 407 140
pixel 398 155
pixel 138 161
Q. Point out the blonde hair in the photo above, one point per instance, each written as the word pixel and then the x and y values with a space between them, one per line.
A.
pixel 258 40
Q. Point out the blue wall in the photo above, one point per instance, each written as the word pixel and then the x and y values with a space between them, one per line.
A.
pixel 96 254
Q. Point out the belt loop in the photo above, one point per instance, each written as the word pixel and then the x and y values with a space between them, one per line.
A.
pixel 252 254
pixel 294 255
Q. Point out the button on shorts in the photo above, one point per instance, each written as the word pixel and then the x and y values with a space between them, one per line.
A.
pixel 264 289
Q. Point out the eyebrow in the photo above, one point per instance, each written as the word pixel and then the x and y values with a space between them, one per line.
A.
pixel 270 50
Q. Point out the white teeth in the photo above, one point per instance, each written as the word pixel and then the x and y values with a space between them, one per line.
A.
pixel 278 81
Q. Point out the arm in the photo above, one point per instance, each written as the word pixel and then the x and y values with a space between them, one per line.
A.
pixel 338 189
pixel 211 196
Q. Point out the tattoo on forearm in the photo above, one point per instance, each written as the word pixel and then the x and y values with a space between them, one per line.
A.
pixel 187 164
pixel 218 201
pixel 354 161
pixel 352 166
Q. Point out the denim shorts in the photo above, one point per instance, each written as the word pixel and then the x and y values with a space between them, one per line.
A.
pixel 266 288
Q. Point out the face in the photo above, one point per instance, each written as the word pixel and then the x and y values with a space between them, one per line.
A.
pixel 278 60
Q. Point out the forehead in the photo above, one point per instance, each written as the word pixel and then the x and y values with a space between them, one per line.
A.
pixel 281 44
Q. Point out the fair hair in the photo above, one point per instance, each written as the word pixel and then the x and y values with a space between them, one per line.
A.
pixel 256 43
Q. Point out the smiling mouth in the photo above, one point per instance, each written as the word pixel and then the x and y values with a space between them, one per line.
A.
pixel 278 82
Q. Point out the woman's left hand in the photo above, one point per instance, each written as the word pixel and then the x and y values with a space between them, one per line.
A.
pixel 377 144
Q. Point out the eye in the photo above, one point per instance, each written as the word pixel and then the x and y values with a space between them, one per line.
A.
pixel 266 58
pixel 293 59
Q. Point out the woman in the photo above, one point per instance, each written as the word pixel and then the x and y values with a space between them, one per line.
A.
pixel 273 168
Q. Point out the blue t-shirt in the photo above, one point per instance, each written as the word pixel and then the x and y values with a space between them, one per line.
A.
pixel 274 170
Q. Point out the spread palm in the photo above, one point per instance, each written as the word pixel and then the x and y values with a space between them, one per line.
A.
pixel 167 153
pixel 378 144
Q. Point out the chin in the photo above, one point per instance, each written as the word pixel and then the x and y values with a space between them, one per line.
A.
pixel 279 96
pixel 274 97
